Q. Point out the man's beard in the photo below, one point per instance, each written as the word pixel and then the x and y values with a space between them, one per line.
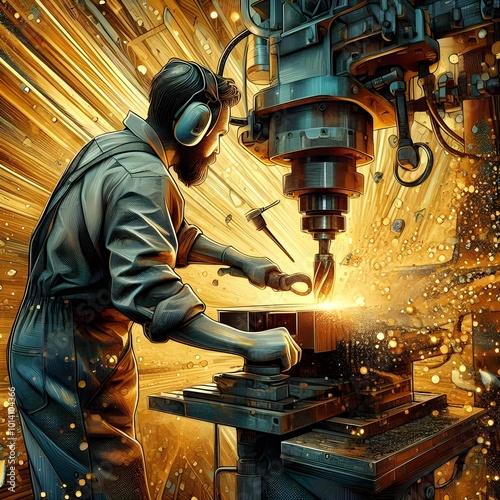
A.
pixel 192 168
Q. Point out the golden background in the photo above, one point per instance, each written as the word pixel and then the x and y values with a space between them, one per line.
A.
pixel 70 70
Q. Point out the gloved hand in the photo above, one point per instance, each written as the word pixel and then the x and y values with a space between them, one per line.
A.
pixel 264 346
pixel 255 269
pixel 272 344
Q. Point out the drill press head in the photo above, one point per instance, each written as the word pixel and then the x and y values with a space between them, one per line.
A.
pixel 324 142
pixel 329 71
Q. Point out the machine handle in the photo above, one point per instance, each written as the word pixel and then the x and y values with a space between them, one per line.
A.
pixel 427 169
pixel 298 283
pixel 290 282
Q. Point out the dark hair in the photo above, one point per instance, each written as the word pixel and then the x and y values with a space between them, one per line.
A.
pixel 175 84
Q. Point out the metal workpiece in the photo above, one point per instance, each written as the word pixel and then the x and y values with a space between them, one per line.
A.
pixel 313 329
pixel 322 329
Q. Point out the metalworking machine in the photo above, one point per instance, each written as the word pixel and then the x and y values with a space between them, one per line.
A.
pixel 346 421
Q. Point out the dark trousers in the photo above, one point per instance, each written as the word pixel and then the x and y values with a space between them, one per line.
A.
pixel 75 378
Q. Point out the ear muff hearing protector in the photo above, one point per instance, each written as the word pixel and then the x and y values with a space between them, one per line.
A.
pixel 195 119
pixel 193 124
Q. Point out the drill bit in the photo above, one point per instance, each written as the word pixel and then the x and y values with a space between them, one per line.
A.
pixel 324 272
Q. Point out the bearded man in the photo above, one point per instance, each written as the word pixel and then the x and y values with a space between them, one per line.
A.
pixel 102 256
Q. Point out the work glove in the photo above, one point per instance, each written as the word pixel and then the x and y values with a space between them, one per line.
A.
pixel 268 345
pixel 256 269
pixel 274 344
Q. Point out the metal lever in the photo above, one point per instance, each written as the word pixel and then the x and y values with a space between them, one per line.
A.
pixel 298 283
pixel 255 215
pixel 408 157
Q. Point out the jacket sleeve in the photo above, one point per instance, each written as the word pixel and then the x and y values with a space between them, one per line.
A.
pixel 142 242
pixel 186 236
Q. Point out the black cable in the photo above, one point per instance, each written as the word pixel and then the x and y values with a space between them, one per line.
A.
pixel 458 468
pixel 441 141
pixel 230 46
pixel 435 115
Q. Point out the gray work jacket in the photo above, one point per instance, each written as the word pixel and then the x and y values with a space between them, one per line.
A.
pixel 117 236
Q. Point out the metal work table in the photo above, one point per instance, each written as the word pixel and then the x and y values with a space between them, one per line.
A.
pixel 258 428
pixel 304 413
pixel 323 450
